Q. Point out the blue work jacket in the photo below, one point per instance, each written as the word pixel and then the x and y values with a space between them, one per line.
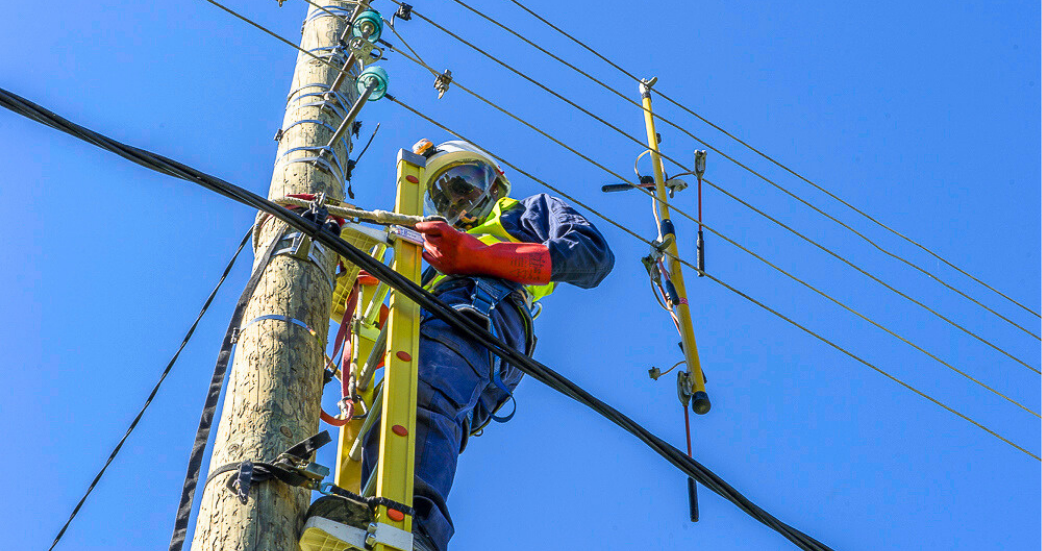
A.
pixel 579 254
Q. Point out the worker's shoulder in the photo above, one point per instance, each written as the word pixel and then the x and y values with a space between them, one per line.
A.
pixel 546 205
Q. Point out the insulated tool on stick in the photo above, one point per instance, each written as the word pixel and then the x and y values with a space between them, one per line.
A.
pixel 700 170
pixel 664 254
pixel 667 273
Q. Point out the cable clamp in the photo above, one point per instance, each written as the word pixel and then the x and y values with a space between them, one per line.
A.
pixel 363 50
pixel 685 387
pixel 441 84
pixel 408 235
pixel 404 12
pixel 674 185
pixel 645 86
pixel 700 163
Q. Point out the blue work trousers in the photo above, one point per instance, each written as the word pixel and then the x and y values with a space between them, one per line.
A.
pixel 456 393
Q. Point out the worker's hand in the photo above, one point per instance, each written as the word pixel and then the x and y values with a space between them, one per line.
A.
pixel 453 252
pixel 448 249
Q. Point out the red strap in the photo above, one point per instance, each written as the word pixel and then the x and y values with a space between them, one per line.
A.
pixel 333 420
pixel 365 279
pixel 341 340
pixel 345 363
pixel 687 426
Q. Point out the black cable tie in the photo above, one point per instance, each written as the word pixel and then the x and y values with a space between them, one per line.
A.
pixel 243 481
pixel 371 502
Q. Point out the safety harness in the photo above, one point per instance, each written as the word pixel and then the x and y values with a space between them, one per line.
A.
pixel 488 293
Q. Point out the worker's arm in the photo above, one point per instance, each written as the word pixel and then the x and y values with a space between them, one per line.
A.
pixel 579 254
pixel 456 253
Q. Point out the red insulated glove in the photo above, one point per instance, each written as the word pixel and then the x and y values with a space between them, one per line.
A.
pixel 454 252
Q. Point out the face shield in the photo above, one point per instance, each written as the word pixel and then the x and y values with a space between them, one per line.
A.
pixel 463 194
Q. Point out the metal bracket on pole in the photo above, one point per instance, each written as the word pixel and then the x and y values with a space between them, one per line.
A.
pixel 371 85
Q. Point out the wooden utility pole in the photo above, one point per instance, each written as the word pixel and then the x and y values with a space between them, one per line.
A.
pixel 275 385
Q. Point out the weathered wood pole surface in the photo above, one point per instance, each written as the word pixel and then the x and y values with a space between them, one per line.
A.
pixel 275 385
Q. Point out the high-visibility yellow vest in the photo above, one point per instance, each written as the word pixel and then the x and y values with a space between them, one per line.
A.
pixel 490 232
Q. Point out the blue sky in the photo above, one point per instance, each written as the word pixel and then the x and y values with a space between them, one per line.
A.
pixel 925 114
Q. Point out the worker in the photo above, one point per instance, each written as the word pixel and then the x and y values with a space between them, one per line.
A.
pixel 493 258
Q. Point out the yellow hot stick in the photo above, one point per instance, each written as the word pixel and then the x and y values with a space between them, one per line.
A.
pixel 700 399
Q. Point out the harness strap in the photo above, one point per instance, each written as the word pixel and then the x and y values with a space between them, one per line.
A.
pixel 184 507
pixel 487 294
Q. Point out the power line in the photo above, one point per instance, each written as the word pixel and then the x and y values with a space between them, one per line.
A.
pixel 155 390
pixel 424 299
pixel 632 233
pixel 794 173
pixel 758 257
pixel 728 287
pixel 733 160
pixel 787 169
pixel 728 194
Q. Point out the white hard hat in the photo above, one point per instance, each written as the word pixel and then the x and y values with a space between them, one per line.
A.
pixel 462 182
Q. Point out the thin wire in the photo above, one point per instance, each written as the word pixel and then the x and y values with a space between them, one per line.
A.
pixel 771 159
pixel 862 316
pixel 710 183
pixel 740 201
pixel 155 390
pixel 414 52
pixel 278 37
pixel 699 140
pixel 367 144
pixel 666 372
pixel 691 266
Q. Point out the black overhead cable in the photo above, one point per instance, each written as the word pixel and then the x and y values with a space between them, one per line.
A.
pixel 169 365
pixel 758 257
pixel 627 230
pixel 710 183
pixel 424 299
pixel 787 169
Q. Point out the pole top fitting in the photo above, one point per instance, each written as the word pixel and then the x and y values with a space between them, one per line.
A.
pixel 645 86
